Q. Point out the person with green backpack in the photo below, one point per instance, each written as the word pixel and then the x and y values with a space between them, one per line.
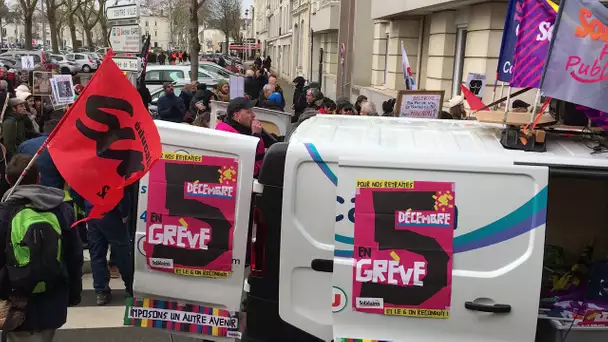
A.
pixel 41 267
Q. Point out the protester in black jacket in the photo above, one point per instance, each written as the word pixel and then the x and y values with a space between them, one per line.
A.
pixel 299 98
pixel 47 311
pixel 202 97
pixel 251 85
pixel 145 95
pixel 171 107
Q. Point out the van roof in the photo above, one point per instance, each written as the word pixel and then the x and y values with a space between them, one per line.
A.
pixel 448 137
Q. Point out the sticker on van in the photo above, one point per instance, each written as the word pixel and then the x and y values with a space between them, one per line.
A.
pixel 403 242
pixel 190 215
pixel 174 316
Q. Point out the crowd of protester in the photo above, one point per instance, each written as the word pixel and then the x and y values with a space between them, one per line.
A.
pixel 26 123
pixel 29 119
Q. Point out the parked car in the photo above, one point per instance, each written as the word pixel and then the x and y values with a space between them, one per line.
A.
pixel 9 62
pixel 97 57
pixel 102 51
pixel 84 62
pixel 156 75
pixel 214 68
pixel 65 66
pixel 36 54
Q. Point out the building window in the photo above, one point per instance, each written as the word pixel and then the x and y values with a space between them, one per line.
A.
pixel 155 24
pixel 461 43
pixel 155 33
pixel 146 24
pixel 386 60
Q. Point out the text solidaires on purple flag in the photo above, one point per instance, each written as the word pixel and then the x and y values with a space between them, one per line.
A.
pixel 534 37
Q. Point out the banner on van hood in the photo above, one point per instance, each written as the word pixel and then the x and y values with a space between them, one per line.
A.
pixel 187 318
pixel 190 215
pixel 404 233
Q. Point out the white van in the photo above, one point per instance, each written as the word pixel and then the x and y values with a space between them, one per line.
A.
pixel 304 283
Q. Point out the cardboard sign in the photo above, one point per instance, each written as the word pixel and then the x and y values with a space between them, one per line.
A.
pixel 187 318
pixel 42 83
pixel 190 216
pixel 419 103
pixel 27 62
pixel 403 243
pixel 63 89
pixel 237 86
pixel 476 83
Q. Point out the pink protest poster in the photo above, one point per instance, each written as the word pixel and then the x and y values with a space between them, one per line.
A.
pixel 404 232
pixel 190 216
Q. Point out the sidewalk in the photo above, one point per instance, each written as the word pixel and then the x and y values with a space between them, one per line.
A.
pixel 288 90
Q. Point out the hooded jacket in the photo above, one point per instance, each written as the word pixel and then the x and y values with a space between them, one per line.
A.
pixel 202 94
pixel 48 310
pixel 14 129
pixel 251 87
pixel 230 125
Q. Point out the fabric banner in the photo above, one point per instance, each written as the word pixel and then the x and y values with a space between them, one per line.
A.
pixel 533 40
pixel 577 70
pixel 190 215
pixel 106 141
pixel 186 318
pixel 404 235
pixel 509 39
pixel 597 117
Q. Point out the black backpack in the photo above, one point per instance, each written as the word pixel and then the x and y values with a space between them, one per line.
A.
pixel 34 260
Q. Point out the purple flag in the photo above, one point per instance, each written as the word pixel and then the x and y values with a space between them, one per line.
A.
pixel 532 45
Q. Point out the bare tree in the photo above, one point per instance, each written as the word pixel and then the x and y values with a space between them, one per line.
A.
pixel 7 16
pixel 28 7
pixel 225 15
pixel 62 18
pixel 103 22
pixel 196 6
pixel 72 6
pixel 88 16
pixel 52 14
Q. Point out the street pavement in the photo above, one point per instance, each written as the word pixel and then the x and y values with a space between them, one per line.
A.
pixel 88 322
pixel 288 89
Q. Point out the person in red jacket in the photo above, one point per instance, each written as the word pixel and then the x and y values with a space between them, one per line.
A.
pixel 241 119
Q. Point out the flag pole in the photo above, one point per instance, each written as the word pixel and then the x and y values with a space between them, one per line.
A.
pixel 502 90
pixel 4 107
pixel 533 109
pixel 507 104
pixel 51 135
pixel 494 90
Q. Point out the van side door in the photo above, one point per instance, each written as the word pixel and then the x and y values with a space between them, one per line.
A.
pixel 440 249
pixel 190 244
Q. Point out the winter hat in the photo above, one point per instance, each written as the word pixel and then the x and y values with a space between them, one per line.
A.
pixel 22 89
pixel 23 95
pixel 275 97
pixel 455 101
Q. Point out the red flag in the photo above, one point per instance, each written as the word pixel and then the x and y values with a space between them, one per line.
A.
pixel 106 141
pixel 474 101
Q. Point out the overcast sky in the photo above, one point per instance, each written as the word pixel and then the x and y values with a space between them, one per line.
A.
pixel 247 4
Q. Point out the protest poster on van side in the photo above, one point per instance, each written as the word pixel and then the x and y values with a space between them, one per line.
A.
pixel 190 216
pixel 187 318
pixel 404 233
